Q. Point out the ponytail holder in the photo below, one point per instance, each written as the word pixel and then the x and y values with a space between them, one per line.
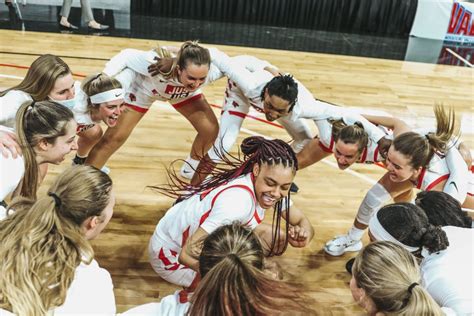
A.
pixel 57 200
pixel 410 288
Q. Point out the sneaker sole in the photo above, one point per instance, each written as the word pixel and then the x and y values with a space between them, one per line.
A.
pixel 355 247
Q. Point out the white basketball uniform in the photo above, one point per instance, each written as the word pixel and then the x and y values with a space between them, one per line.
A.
pixel 233 201
pixel 244 91
pixel 145 89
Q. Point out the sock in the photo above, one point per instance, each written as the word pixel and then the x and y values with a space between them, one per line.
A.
pixel 356 233
pixel 191 163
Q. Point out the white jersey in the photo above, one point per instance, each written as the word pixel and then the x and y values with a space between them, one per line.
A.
pixel 91 293
pixel 12 101
pixel 448 275
pixel 370 154
pixel 233 201
pixel 146 89
pixel 251 85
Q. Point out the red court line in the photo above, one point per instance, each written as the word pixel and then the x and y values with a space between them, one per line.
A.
pixel 26 67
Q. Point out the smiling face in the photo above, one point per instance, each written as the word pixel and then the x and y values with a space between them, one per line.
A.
pixel 193 76
pixel 272 183
pixel 63 88
pixel 108 112
pixel 56 152
pixel 399 167
pixel 346 154
pixel 274 106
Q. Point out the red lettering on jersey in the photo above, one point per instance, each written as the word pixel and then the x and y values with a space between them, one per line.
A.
pixel 154 92
pixel 132 97
pixel 170 89
pixel 235 104
pixel 454 17
pixel 466 18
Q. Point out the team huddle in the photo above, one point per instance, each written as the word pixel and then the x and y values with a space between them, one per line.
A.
pixel 212 243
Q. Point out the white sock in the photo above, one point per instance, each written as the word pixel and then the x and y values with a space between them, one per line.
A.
pixel 190 162
pixel 356 233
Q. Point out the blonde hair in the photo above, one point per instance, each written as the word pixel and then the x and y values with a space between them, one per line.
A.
pixel 390 276
pixel 231 264
pixel 36 121
pixel 419 148
pixel 42 242
pixel 190 52
pixel 98 83
pixel 41 77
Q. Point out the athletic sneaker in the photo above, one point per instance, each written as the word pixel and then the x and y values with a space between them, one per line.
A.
pixel 186 171
pixel 341 244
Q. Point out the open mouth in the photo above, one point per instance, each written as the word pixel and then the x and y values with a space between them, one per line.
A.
pixel 112 120
pixel 268 200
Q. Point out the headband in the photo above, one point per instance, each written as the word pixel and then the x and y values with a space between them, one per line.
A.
pixel 379 232
pixel 107 96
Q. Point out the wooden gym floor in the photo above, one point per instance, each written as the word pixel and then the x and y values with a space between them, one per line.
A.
pixel 328 196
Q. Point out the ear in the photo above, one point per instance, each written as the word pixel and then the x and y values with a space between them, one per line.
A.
pixel 43 144
pixel 90 223
pixel 417 172
pixel 256 169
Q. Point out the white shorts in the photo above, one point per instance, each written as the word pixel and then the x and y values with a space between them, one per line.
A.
pixel 165 262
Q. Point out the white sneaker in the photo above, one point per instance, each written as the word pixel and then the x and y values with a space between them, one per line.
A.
pixel 186 171
pixel 341 244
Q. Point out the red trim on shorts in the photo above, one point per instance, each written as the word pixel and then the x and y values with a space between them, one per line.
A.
pixel 327 149
pixel 420 178
pixel 187 101
pixel 136 108
pixel 435 182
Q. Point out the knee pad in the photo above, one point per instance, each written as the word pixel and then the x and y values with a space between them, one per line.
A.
pixel 375 198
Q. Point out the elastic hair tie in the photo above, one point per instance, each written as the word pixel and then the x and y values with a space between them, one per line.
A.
pixel 57 200
pixel 410 288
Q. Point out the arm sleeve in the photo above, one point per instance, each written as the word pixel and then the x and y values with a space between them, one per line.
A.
pixel 126 77
pixel 134 59
pixel 238 73
pixel 234 204
pixel 251 63
pixel 457 184
pixel 229 128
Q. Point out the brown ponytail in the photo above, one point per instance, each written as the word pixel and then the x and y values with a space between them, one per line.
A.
pixel 36 121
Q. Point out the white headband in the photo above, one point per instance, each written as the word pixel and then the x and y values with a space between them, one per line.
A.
pixel 107 96
pixel 379 232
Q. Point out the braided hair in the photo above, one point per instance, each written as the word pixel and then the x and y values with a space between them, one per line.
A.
pixel 255 150
pixel 284 87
